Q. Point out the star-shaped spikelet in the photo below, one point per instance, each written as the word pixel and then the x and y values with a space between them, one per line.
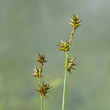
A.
pixel 75 21
pixel 43 89
pixel 36 72
pixel 41 58
pixel 64 46
pixel 71 64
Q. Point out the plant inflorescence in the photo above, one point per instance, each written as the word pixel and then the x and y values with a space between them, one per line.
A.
pixel 65 46
pixel 43 88
pixel 68 64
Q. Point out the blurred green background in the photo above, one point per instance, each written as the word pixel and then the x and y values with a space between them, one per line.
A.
pixel 31 26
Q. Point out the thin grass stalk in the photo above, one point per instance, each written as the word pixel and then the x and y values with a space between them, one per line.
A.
pixel 65 82
pixel 40 86
pixel 41 103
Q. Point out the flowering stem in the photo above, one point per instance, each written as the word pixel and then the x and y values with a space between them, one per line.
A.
pixel 66 69
pixel 65 46
pixel 65 80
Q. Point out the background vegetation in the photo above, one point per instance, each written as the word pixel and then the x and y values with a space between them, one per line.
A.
pixel 31 26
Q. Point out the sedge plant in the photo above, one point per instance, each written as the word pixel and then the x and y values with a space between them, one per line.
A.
pixel 43 88
pixel 70 62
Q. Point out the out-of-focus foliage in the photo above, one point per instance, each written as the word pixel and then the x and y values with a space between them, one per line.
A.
pixel 31 26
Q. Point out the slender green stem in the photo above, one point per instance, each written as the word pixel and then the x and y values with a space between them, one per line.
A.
pixel 41 96
pixel 40 85
pixel 41 103
pixel 66 69
pixel 71 36
pixel 39 81
pixel 65 80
